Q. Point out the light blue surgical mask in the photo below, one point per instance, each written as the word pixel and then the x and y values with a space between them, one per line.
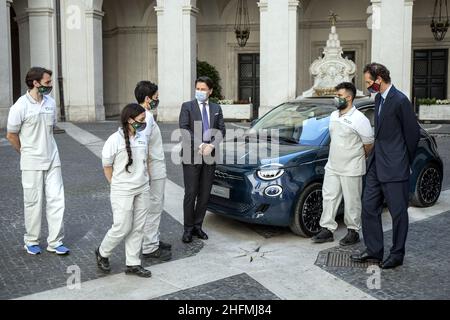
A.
pixel 201 96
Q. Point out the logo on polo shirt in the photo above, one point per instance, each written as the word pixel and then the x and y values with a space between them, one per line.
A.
pixel 47 109
pixel 347 121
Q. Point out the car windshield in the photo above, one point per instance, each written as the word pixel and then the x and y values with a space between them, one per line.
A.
pixel 303 122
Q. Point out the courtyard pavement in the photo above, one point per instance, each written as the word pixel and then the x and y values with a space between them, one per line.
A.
pixel 239 261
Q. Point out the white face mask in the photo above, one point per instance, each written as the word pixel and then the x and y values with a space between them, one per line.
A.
pixel 201 96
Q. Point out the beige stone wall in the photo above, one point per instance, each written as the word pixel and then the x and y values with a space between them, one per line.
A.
pixel 130 44
pixel 216 41
pixel 130 41
pixel 129 50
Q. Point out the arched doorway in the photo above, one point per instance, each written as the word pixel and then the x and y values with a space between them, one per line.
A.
pixel 238 66
pixel 129 50
pixel 15 56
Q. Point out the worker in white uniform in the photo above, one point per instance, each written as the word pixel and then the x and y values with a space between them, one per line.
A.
pixel 30 132
pixel 125 164
pixel 352 139
pixel 146 94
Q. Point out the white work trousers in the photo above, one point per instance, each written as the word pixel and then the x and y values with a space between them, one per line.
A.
pixel 129 214
pixel 334 188
pixel 151 228
pixel 37 184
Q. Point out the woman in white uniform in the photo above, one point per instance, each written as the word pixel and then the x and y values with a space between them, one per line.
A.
pixel 124 158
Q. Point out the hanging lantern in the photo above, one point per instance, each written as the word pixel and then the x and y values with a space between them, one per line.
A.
pixel 439 24
pixel 242 23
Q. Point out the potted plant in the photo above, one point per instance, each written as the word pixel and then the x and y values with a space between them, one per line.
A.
pixel 236 110
pixel 208 70
pixel 432 109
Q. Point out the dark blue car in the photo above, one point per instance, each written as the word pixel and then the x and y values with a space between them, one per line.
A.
pixel 252 185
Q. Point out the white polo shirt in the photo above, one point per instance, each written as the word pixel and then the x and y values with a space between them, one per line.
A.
pixel 349 133
pixel 34 122
pixel 114 154
pixel 157 160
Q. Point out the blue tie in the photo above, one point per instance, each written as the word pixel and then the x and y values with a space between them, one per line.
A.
pixel 205 122
pixel 381 105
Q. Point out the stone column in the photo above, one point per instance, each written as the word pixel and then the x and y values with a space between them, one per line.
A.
pixel 24 47
pixel 42 39
pixel 5 62
pixel 82 60
pixel 177 54
pixel 42 34
pixel 391 39
pixel 278 43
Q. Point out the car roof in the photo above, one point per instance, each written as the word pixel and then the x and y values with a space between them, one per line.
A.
pixel 359 101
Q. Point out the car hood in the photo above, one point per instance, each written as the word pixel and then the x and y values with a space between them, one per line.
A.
pixel 248 155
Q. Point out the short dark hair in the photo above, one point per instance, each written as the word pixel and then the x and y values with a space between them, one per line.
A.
pixel 378 70
pixel 206 80
pixel 144 89
pixel 349 87
pixel 35 73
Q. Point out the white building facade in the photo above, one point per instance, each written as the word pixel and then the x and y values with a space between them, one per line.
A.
pixel 107 46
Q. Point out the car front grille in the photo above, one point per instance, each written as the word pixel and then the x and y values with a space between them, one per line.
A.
pixel 240 207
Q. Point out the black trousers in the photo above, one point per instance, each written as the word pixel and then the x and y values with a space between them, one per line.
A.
pixel 198 180
pixel 396 195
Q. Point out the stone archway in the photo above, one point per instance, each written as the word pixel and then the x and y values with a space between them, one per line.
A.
pixel 15 55
pixel 216 41
pixel 129 50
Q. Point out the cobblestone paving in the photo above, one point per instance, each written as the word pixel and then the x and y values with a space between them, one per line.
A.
pixel 424 274
pixel 175 172
pixel 87 218
pixel 238 287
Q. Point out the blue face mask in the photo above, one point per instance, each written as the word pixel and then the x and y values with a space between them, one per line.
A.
pixel 201 96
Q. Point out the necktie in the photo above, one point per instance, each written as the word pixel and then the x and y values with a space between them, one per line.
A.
pixel 381 105
pixel 205 122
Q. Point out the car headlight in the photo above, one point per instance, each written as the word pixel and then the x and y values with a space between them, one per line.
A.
pixel 270 171
pixel 273 191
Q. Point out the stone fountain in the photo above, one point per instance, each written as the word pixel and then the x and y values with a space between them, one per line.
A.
pixel 331 69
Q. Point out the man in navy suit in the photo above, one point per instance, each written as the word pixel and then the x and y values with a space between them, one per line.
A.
pixel 203 129
pixel 397 134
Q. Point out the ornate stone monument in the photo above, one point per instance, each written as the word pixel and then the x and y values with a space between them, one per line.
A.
pixel 332 68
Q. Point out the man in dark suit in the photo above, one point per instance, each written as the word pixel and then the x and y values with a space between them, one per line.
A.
pixel 203 128
pixel 389 166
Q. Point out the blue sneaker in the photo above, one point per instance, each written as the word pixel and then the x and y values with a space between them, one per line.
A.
pixel 32 249
pixel 61 250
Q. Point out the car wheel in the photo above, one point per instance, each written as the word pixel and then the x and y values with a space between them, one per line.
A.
pixel 428 186
pixel 308 211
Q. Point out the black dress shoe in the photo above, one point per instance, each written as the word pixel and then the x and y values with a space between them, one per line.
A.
pixel 200 233
pixel 364 257
pixel 102 263
pixel 391 262
pixel 324 235
pixel 165 245
pixel 187 237
pixel 138 271
pixel 351 238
